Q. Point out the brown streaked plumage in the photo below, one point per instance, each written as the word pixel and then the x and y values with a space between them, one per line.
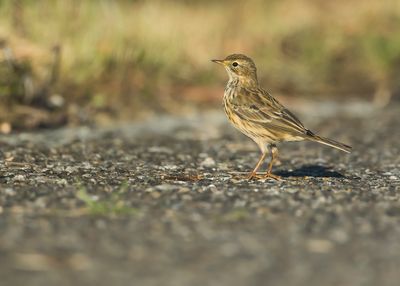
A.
pixel 258 115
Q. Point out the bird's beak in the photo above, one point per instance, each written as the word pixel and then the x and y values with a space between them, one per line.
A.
pixel 221 62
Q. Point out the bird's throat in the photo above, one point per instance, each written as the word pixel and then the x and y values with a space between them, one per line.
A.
pixel 248 81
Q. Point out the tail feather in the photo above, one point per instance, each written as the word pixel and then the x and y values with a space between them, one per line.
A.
pixel 330 142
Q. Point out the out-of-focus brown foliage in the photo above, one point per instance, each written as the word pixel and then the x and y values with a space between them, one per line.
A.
pixel 93 61
pixel 27 86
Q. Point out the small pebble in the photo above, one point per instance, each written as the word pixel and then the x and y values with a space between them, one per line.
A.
pixel 19 178
pixel 208 162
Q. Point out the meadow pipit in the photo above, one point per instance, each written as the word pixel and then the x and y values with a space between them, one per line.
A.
pixel 261 117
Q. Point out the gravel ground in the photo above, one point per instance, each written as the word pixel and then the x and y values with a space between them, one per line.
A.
pixel 158 203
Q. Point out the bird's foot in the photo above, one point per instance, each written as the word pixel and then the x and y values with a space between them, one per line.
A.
pixel 252 175
pixel 255 176
pixel 268 175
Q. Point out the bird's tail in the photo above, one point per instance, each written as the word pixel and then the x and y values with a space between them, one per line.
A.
pixel 329 142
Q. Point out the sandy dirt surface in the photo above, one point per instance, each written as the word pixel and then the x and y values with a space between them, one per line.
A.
pixel 158 203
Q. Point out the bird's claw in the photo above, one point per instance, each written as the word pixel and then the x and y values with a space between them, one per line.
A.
pixel 253 175
pixel 272 176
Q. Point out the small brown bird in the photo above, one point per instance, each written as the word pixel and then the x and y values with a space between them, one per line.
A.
pixel 261 117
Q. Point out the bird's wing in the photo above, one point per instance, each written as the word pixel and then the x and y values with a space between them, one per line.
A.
pixel 257 106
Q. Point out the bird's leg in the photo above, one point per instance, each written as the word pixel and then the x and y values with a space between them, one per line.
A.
pixel 274 154
pixel 253 174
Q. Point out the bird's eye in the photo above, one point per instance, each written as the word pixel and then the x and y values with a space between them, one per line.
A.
pixel 235 64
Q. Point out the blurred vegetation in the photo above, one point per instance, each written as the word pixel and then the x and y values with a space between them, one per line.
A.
pixel 115 205
pixel 93 61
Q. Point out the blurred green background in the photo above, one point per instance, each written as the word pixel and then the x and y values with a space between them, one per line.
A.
pixel 73 62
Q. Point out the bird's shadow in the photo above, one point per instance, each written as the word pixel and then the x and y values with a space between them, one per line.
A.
pixel 316 171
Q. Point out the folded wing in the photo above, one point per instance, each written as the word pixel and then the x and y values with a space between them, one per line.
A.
pixel 258 107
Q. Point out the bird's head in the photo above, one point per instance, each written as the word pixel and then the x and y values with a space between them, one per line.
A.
pixel 239 66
